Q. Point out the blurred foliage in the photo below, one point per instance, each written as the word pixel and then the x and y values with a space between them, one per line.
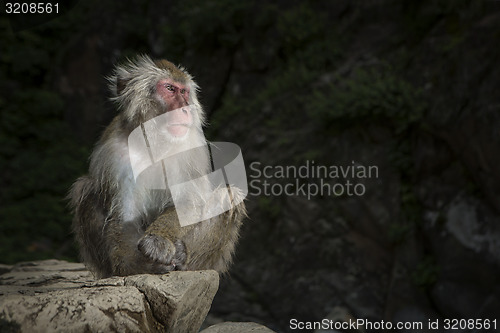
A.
pixel 375 95
pixel 39 158
pixel 39 155
pixel 227 18
pixel 267 206
pixel 304 77
pixel 299 47
pixel 426 273
pixel 419 17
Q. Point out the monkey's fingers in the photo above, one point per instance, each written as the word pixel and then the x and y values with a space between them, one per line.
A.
pixel 157 248
pixel 180 258
pixel 164 255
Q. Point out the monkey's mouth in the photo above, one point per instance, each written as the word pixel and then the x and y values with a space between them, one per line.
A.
pixel 178 121
pixel 178 130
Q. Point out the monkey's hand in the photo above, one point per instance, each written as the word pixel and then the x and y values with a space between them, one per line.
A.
pixel 167 255
pixel 161 243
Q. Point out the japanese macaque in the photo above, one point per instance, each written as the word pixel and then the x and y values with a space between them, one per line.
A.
pixel 126 227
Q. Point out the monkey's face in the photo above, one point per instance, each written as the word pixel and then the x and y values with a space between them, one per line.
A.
pixel 174 97
pixel 145 89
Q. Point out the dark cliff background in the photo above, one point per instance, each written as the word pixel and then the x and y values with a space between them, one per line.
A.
pixel 411 87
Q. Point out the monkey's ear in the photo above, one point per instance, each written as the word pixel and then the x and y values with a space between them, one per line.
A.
pixel 121 84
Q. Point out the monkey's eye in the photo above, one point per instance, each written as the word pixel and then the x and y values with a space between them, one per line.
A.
pixel 170 87
pixel 183 91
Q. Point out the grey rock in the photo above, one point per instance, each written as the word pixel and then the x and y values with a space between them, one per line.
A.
pixel 5 268
pixel 232 327
pixel 57 296
pixel 180 300
pixel 96 309
pixel 474 227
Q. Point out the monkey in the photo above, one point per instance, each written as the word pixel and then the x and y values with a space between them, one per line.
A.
pixel 124 227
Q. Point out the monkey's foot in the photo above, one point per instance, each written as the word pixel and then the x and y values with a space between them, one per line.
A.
pixel 167 256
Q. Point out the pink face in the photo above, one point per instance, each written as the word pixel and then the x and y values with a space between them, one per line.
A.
pixel 176 97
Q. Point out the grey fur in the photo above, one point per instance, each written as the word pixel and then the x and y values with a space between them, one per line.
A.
pixel 124 229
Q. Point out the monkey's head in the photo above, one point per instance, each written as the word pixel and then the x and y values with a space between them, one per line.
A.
pixel 145 88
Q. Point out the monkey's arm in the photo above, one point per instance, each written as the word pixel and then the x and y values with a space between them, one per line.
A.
pixel 162 241
pixel 204 245
pixel 166 225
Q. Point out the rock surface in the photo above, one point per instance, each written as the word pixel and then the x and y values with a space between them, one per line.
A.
pixel 57 296
pixel 231 327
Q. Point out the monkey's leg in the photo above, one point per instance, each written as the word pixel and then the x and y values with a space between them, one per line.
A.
pixel 162 241
pixel 88 225
pixel 211 243
pixel 125 255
